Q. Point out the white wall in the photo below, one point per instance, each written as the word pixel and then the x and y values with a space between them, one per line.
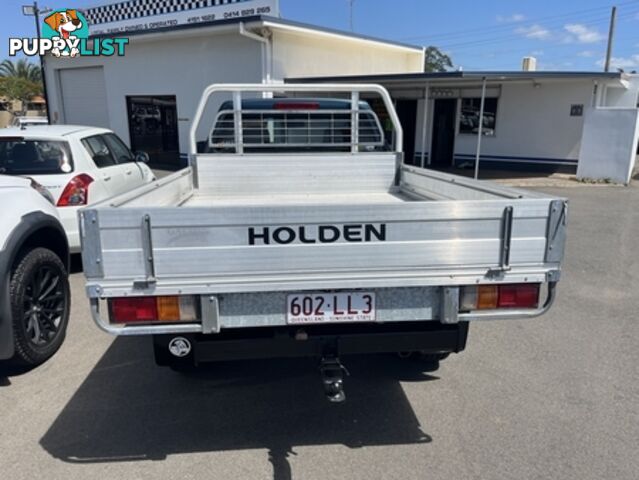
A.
pixel 301 55
pixel 531 122
pixel 535 122
pixel 182 64
pixel 618 96
pixel 181 67
pixel 609 144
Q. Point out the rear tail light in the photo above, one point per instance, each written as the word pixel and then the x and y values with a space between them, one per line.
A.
pixel 128 310
pixel 153 309
pixel 76 192
pixel 491 297
pixel 519 296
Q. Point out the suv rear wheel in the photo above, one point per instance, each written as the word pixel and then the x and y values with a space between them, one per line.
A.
pixel 40 306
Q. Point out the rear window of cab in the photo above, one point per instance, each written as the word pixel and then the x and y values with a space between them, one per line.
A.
pixel 22 156
pixel 288 124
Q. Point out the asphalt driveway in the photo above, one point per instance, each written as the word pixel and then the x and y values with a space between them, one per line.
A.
pixel 550 398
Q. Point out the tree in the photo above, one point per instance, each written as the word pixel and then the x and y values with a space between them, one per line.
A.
pixel 436 60
pixel 21 69
pixel 17 89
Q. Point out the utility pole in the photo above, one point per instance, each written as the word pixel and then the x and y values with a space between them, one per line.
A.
pixel 480 131
pixel 351 2
pixel 35 11
pixel 611 36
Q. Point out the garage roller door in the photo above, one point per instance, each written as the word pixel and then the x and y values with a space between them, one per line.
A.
pixel 84 99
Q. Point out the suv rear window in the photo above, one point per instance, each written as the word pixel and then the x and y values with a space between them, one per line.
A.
pixel 20 156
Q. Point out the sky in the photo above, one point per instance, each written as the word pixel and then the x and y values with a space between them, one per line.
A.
pixel 487 35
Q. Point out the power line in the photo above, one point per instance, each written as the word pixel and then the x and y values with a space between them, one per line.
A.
pixel 553 24
pixel 598 56
pixel 527 50
pixel 351 5
pixel 502 38
pixel 496 28
pixel 576 15
pixel 593 22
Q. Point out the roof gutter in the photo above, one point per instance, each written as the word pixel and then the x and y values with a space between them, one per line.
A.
pixel 265 40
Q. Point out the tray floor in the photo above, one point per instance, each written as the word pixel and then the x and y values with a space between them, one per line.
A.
pixel 204 200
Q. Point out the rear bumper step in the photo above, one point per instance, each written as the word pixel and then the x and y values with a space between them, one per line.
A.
pixel 316 341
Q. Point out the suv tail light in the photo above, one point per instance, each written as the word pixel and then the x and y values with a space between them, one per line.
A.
pixel 491 297
pixel 76 193
pixel 153 309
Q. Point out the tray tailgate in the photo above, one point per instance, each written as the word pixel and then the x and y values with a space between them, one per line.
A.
pixel 216 242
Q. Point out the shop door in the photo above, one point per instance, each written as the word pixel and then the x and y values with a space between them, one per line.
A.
pixel 443 146
pixel 407 113
pixel 153 128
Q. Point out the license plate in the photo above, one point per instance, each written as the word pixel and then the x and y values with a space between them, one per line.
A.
pixel 342 307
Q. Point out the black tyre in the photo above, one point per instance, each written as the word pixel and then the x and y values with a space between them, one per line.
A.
pixel 428 362
pixel 40 306
pixel 430 357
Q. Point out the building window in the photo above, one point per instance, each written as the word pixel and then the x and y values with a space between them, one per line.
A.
pixel 469 118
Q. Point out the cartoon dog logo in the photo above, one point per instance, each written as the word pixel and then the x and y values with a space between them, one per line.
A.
pixel 65 23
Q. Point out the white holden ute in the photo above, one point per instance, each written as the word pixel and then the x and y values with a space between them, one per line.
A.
pixel 298 231
pixel 78 165
pixel 35 299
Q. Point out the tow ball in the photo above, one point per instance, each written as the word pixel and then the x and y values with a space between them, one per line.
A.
pixel 332 372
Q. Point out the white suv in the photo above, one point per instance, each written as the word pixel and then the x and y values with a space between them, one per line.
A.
pixel 78 165
pixel 35 299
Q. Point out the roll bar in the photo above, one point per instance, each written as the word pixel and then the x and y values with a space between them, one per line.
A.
pixel 238 88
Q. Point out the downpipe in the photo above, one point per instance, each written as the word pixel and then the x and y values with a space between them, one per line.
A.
pixel 265 40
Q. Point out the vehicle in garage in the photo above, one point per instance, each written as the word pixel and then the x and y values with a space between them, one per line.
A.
pixel 299 232
pixel 35 299
pixel 78 165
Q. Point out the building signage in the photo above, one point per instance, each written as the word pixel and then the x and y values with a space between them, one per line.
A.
pixel 139 15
